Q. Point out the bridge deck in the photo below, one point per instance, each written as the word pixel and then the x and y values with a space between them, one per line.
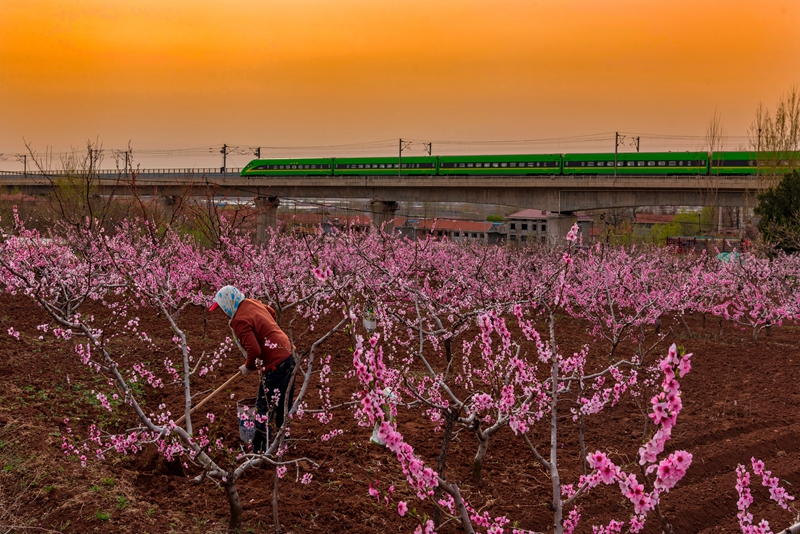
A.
pixel 551 192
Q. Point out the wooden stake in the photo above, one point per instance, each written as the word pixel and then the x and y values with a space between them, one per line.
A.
pixel 211 396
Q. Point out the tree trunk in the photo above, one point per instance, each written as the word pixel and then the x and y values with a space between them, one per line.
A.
pixel 477 463
pixel 450 419
pixel 583 428
pixel 235 524
pixel 685 324
pixel 275 519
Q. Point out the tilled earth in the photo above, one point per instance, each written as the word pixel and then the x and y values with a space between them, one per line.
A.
pixel 740 401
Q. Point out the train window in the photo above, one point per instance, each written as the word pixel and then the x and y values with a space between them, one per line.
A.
pixel 504 164
pixel 512 164
pixel 294 166
pixel 591 164
pixel 631 163
pixel 640 163
pixel 671 163
pixel 661 163
pixel 461 165
pixel 470 164
pixel 651 163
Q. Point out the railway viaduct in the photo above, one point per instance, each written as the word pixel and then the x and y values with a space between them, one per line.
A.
pixel 561 195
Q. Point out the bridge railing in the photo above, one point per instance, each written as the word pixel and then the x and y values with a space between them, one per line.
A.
pixel 117 172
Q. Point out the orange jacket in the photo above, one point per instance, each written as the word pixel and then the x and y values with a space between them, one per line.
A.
pixel 256 329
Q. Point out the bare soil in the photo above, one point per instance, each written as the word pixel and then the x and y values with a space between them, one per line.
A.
pixel 740 400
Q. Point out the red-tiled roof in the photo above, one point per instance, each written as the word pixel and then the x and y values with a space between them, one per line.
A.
pixel 301 218
pixel 452 224
pixel 529 214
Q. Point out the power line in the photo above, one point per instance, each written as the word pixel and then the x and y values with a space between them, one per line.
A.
pixel 600 142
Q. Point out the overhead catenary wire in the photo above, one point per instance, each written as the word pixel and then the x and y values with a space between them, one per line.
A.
pixel 595 142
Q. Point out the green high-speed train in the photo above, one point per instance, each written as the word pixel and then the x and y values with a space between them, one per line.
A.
pixel 639 163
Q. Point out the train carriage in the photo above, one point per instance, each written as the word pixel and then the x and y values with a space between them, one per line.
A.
pixel 637 163
pixel 726 163
pixel 289 167
pixel 523 164
pixel 412 165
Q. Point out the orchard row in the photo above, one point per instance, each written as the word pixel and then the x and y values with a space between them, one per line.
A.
pixel 461 335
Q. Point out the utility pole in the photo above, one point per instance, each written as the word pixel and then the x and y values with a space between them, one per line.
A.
pixel 224 153
pixel 428 148
pixel 400 160
pixel 637 144
pixel 616 148
pixel 25 165
pixel 258 152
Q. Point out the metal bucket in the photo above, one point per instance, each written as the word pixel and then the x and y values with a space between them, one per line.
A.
pixel 246 412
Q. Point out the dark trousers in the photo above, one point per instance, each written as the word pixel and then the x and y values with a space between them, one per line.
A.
pixel 273 383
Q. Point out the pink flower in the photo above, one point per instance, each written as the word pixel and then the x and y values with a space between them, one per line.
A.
pixel 402 508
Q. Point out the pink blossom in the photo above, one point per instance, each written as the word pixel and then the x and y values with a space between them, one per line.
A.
pixel 402 508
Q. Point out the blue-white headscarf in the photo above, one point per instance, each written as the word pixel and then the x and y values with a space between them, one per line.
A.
pixel 228 298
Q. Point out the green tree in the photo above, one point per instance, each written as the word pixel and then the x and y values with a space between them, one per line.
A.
pixel 695 223
pixel 779 208
pixel 660 232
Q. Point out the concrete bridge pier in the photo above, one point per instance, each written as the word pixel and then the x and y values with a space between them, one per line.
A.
pixel 383 212
pixel 267 216
pixel 558 224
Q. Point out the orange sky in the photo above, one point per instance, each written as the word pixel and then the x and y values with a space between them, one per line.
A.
pixel 175 73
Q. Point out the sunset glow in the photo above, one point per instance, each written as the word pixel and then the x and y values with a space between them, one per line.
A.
pixel 308 72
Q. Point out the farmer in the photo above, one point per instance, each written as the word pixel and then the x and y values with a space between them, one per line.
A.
pixel 266 348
